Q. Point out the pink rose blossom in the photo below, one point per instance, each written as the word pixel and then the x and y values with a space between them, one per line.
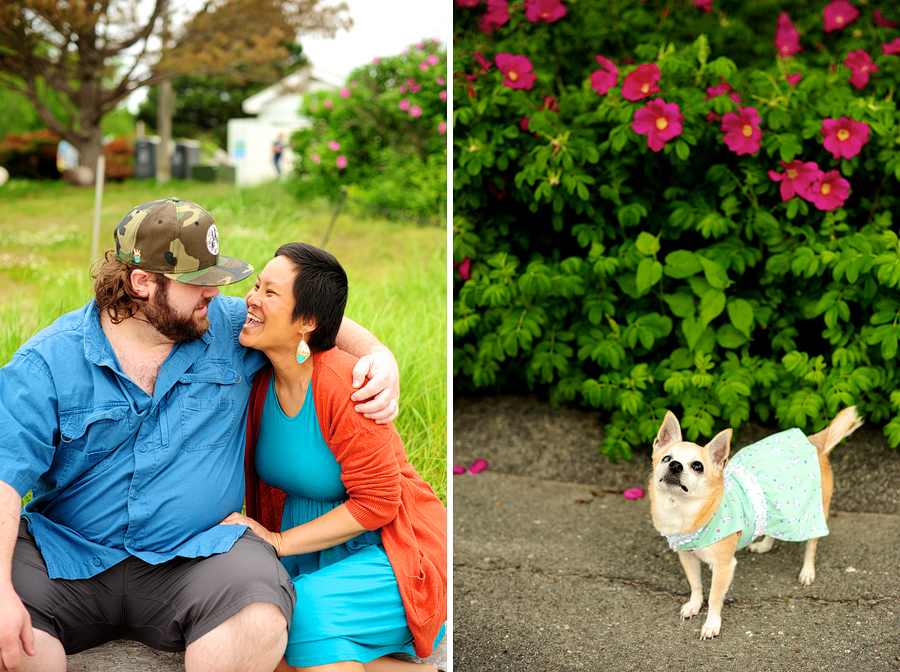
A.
pixel 345 93
pixel 468 3
pixel 641 83
pixel 787 39
pixel 403 88
pixel 423 66
pixel 404 105
pixel 405 52
pixel 838 14
pixel 885 23
pixel 517 70
pixel 603 80
pixel 796 178
pixel 829 190
pixel 316 159
pixel 465 268
pixel 497 15
pixel 659 121
pixel 341 161
pixel 415 88
pixel 705 5
pixel 334 145
pixel 861 64
pixel 415 111
pixel 892 47
pixel 443 96
pixel 794 79
pixel 844 137
pixel 440 81
pixel 547 11
pixel 376 60
pixel 420 45
pixel 442 127
pixel 742 132
pixel 433 60
pixel 328 103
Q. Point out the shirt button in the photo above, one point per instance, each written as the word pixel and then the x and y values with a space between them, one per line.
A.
pixel 96 562
pixel 131 543
pixel 135 495
pixel 143 449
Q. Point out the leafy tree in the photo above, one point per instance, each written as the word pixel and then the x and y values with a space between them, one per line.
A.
pixel 91 56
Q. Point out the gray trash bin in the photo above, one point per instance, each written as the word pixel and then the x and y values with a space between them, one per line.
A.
pixel 145 153
pixel 185 157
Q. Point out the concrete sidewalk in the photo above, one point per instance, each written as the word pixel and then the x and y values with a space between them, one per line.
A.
pixel 555 570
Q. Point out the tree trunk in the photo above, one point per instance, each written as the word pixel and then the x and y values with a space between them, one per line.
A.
pixel 89 141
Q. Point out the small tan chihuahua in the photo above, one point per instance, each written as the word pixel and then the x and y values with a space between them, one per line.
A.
pixel 708 507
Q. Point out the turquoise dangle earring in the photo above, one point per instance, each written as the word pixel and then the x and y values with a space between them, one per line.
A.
pixel 302 349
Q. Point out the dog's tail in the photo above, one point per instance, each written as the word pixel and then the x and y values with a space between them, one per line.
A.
pixel 844 424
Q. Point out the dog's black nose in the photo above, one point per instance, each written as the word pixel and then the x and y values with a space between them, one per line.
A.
pixel 675 467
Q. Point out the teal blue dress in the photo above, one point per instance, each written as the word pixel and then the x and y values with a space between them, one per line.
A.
pixel 348 602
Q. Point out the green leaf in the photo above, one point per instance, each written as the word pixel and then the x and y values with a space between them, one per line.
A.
pixel 649 272
pixel 729 337
pixel 712 303
pixel 647 244
pixel 682 264
pixel 715 273
pixel 681 303
pixel 740 312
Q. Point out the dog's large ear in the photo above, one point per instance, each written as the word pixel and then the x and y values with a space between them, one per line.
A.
pixel 719 447
pixel 669 433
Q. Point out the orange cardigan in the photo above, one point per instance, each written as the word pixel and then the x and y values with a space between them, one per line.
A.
pixel 384 490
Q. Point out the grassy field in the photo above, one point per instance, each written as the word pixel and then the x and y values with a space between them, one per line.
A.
pixel 397 272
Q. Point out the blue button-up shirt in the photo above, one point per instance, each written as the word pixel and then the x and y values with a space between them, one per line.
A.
pixel 115 472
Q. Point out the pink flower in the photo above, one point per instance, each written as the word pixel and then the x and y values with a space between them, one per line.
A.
pixel 423 66
pixel 523 124
pixel 892 47
pixel 547 11
pixel 742 133
pixel 443 96
pixel 440 81
pixel 881 21
pixel 465 268
pixel 829 190
pixel 641 83
pixel 354 84
pixel 328 103
pixel 787 39
pixel 497 14
pixel 334 145
pixel 796 178
pixel 659 121
pixel 861 64
pixel 838 14
pixel 442 127
pixel 517 70
pixel 345 93
pixel 403 88
pixel 415 111
pixel 603 80
pixel 316 159
pixel 794 79
pixel 722 89
pixel 404 105
pixel 706 6
pixel 376 60
pixel 433 60
pixel 415 88
pixel 844 138
pixel 468 3
pixel 341 161
pixel 420 45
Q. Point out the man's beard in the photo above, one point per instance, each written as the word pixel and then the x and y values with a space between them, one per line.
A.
pixel 167 322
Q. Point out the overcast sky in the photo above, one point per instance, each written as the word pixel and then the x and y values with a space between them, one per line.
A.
pixel 381 28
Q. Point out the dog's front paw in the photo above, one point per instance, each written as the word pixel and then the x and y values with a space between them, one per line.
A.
pixel 711 628
pixel 690 609
pixel 764 545
pixel 807 576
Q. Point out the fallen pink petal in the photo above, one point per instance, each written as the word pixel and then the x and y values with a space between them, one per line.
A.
pixel 459 470
pixel 634 493
pixel 478 465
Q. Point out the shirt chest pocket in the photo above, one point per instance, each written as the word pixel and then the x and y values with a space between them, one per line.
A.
pixel 208 405
pixel 88 435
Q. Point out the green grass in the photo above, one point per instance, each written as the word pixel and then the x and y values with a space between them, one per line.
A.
pixel 397 272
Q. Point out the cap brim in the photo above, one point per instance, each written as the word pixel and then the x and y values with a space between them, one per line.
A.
pixel 227 272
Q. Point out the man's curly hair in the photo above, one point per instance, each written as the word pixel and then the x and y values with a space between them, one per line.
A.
pixel 113 291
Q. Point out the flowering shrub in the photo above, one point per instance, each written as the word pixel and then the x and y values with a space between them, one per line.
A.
pixel 679 212
pixel 30 155
pixel 383 135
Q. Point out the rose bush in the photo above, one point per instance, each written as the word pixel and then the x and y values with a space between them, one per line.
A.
pixel 382 136
pixel 686 209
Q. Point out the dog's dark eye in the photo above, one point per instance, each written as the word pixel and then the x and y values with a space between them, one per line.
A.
pixel 666 458
pixel 697 466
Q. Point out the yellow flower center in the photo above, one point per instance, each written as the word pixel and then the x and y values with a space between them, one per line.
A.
pixel 843 134
pixel 792 174
pixel 839 20
pixel 645 88
pixel 662 123
pixel 826 189
pixel 747 130
pixel 513 76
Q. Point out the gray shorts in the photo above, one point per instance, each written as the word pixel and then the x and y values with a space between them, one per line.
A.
pixel 165 606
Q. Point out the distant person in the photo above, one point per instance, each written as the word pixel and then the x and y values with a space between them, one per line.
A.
pixel 333 492
pixel 126 420
pixel 277 150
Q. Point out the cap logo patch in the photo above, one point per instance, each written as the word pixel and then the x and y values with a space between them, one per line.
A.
pixel 137 256
pixel 212 239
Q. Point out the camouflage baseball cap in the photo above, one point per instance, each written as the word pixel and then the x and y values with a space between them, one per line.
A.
pixel 178 239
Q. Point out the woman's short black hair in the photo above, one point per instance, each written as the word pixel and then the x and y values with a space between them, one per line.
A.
pixel 320 291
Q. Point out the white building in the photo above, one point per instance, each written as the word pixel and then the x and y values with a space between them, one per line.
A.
pixel 277 111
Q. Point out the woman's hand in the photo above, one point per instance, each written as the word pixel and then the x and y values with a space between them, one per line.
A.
pixel 273 538
pixel 381 394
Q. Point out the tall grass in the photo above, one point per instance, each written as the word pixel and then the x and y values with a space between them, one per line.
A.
pixel 396 271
